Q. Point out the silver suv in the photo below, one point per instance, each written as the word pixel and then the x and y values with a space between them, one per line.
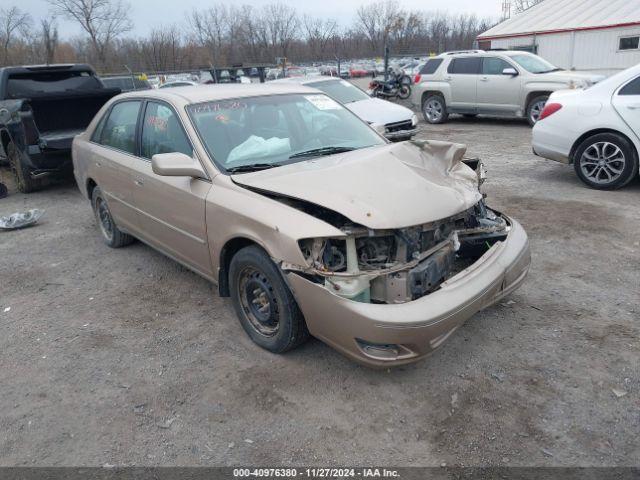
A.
pixel 501 83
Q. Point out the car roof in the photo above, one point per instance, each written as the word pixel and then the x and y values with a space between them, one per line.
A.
pixel 54 67
pixel 481 53
pixel 212 92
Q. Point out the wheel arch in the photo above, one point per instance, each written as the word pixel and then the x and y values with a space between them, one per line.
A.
pixel 90 186
pixel 534 94
pixel 227 252
pixel 598 131
pixel 426 93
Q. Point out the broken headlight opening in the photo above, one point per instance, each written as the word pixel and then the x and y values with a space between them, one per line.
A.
pixel 399 266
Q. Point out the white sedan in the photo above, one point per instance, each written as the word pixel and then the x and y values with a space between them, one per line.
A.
pixel 394 121
pixel 597 130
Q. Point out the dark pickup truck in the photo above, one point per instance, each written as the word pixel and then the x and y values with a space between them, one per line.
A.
pixel 42 108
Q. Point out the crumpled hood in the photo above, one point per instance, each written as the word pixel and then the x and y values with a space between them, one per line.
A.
pixel 392 186
pixel 380 112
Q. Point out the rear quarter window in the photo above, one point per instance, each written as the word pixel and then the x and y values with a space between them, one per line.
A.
pixel 631 88
pixel 465 66
pixel 431 66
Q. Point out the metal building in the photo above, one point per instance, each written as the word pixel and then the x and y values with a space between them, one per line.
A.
pixel 601 36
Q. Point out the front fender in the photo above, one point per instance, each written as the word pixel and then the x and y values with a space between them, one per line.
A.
pixel 235 212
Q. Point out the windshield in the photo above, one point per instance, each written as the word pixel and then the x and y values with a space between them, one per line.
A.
pixel 340 90
pixel 273 130
pixel 534 64
pixel 22 85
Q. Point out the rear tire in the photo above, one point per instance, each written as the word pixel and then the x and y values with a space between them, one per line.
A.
pixel 263 302
pixel 535 108
pixel 434 109
pixel 111 234
pixel 21 173
pixel 606 161
pixel 404 92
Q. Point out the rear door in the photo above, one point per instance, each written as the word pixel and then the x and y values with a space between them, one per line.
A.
pixel 172 209
pixel 462 74
pixel 497 92
pixel 111 155
pixel 626 101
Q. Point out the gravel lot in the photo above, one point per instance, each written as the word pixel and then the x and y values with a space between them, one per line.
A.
pixel 124 357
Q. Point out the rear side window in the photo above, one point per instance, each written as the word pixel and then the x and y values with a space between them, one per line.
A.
pixel 494 66
pixel 20 85
pixel 431 66
pixel 465 66
pixel 119 130
pixel 162 132
pixel 631 88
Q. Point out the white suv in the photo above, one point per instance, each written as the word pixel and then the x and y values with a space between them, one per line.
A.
pixel 502 83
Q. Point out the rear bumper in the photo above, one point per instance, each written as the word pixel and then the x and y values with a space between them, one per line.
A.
pixel 416 328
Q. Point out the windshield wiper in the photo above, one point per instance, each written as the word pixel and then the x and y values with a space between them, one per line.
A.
pixel 318 152
pixel 252 167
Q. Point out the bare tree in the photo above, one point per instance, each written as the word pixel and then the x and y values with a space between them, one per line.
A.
pixel 102 20
pixel 317 33
pixel 49 32
pixel 282 25
pixel 12 22
pixel 522 5
pixel 378 20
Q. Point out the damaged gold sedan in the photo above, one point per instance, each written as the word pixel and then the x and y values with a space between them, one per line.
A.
pixel 305 216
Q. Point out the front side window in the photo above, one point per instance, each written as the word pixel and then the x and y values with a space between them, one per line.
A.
pixel 494 66
pixel 341 90
pixel 631 88
pixel 630 43
pixel 534 64
pixel 465 66
pixel 119 130
pixel 162 132
pixel 269 131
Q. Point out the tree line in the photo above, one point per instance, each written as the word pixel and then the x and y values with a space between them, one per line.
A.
pixel 223 34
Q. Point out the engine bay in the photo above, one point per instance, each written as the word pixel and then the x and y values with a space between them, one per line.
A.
pixel 402 265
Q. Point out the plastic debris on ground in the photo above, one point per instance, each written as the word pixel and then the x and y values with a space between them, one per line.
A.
pixel 21 219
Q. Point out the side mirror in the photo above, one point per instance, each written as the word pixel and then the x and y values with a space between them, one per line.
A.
pixel 176 165
pixel 510 71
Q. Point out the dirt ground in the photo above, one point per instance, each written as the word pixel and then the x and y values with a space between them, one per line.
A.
pixel 123 357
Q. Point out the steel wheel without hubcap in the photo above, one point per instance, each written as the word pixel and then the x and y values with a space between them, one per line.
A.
pixel 258 301
pixel 602 163
pixel 104 218
pixel 433 110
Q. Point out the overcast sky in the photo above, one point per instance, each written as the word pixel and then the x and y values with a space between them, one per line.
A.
pixel 148 13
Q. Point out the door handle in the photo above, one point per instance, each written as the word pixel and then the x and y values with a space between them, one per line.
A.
pixel 635 106
pixel 138 181
pixel 484 79
pixel 447 78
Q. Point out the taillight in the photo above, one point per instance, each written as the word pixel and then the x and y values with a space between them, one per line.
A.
pixel 417 78
pixel 549 109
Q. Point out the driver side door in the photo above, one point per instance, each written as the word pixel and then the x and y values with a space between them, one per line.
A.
pixel 172 209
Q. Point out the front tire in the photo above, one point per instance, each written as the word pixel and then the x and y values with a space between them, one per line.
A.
pixel 263 302
pixel 111 234
pixel 434 109
pixel 535 108
pixel 606 161
pixel 21 173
